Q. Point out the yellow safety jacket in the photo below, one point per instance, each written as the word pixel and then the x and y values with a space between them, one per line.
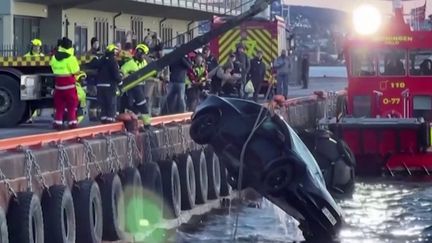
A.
pixel 201 76
pixel 132 66
pixel 82 99
pixel 65 66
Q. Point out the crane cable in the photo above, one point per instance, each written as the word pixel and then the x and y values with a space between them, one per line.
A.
pixel 257 124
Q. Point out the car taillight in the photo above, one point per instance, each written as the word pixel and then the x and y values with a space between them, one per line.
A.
pixel 361 106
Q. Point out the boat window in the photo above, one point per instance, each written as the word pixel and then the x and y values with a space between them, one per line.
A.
pixel 363 63
pixel 420 62
pixel 392 62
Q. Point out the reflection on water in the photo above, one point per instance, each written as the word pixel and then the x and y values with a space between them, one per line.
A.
pixel 377 212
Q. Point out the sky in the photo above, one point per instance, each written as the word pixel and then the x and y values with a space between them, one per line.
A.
pixel 348 5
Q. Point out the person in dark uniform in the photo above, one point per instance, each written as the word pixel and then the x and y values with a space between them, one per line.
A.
pixel 257 73
pixel 108 80
pixel 305 71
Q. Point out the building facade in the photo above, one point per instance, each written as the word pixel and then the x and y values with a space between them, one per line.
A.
pixel 110 21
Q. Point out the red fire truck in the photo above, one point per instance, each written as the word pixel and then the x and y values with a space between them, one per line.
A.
pixel 388 108
pixel 269 36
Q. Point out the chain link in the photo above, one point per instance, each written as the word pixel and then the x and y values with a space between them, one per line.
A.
pixel 28 172
pixel 66 159
pixel 147 147
pixel 129 149
pixel 7 184
pixel 167 140
pixel 182 139
pixel 90 157
pixel 33 163
pixel 61 159
pixel 110 155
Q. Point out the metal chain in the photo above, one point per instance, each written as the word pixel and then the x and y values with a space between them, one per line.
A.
pixel 110 156
pixel 112 153
pixel 147 147
pixel 167 140
pixel 129 149
pixel 7 184
pixel 28 172
pixel 182 139
pixel 90 157
pixel 30 156
pixel 67 160
pixel 61 159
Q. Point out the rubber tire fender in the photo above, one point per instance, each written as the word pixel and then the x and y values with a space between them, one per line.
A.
pixel 346 153
pixel 25 215
pixel 112 206
pixel 201 176
pixel 213 173
pixel 59 215
pixel 4 236
pixel 187 181
pixel 153 191
pixel 132 187
pixel 88 211
pixel 171 188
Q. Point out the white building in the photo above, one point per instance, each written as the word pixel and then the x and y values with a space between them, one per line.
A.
pixel 108 20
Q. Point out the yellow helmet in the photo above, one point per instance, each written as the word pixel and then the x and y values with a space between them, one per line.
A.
pixel 36 42
pixel 80 75
pixel 143 48
pixel 111 48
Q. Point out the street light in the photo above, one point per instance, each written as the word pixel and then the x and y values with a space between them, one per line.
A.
pixel 366 19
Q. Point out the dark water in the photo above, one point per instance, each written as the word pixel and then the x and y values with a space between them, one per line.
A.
pixel 380 211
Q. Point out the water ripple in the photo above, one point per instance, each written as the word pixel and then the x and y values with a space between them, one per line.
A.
pixel 385 211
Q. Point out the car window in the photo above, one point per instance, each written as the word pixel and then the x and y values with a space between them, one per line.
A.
pixel 300 148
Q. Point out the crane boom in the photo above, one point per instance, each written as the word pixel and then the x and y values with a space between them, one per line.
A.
pixel 150 70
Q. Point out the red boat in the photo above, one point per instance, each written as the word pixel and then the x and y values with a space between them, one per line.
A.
pixel 388 107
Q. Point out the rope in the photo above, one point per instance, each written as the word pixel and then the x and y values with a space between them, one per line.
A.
pixel 257 124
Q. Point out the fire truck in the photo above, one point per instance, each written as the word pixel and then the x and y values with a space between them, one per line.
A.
pixel 269 36
pixel 385 117
pixel 25 86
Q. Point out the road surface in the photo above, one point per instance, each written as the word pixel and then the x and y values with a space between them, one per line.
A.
pixel 43 124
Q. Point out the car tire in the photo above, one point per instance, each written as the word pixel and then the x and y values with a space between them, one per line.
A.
pixel 205 126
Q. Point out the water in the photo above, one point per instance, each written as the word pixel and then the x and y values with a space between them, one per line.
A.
pixel 379 211
pixel 328 71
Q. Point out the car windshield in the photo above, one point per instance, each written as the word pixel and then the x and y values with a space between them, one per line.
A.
pixel 303 152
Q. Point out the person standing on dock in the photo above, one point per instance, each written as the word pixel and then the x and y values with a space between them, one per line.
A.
pixel 65 66
pixel 282 66
pixel 257 73
pixel 305 71
pixel 108 80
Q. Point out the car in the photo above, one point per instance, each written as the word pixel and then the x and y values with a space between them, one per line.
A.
pixel 277 164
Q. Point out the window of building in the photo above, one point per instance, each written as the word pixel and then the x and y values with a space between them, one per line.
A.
pixel 420 62
pixel 137 29
pixel 25 29
pixel 363 63
pixel 81 35
pixel 392 62
pixel 102 31
pixel 180 38
pixel 167 36
pixel 120 37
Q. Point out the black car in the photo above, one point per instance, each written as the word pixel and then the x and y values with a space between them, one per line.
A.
pixel 276 162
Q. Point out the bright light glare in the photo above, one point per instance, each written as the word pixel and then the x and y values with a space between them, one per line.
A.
pixel 367 19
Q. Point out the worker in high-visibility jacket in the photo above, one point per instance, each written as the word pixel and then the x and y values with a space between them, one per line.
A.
pixel 65 66
pixel 108 79
pixel 195 82
pixel 82 95
pixel 136 99
pixel 35 51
